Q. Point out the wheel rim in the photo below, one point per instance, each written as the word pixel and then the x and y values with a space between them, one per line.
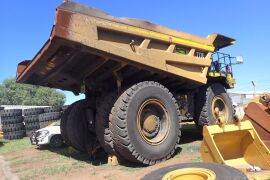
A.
pixel 190 173
pixel 219 109
pixel 153 121
pixel 57 142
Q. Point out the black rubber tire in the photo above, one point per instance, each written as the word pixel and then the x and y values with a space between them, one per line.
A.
pixel 52 109
pixel 14 135
pixel 103 133
pixel 222 172
pixel 11 120
pixel 13 127
pixel 56 141
pixel 77 127
pixel 63 123
pixel 32 126
pixel 127 139
pixel 33 111
pixel 31 119
pixel 203 102
pixel 11 112
pixel 52 116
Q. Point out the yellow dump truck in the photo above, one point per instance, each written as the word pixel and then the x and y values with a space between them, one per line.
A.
pixel 140 81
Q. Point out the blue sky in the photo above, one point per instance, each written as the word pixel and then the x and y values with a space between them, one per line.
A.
pixel 26 25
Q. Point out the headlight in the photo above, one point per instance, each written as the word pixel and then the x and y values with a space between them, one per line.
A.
pixel 42 134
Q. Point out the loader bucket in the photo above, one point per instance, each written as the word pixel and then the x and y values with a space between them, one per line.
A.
pixel 238 146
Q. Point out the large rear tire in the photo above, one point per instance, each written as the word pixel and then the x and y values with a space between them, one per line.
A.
pixel 211 102
pixel 77 127
pixel 145 123
pixel 105 104
pixel 63 124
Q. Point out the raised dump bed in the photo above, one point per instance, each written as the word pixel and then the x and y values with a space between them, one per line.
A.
pixel 140 80
pixel 89 46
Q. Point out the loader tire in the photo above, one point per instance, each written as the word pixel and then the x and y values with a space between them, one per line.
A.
pixel 11 112
pixel 11 120
pixel 32 126
pixel 63 123
pixel 103 133
pixel 77 127
pixel 52 116
pixel 13 127
pixel 14 135
pixel 31 119
pixel 145 123
pixel 206 100
pixel 32 111
pixel 52 109
pixel 222 172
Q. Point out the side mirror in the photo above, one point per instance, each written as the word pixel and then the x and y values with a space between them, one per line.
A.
pixel 239 60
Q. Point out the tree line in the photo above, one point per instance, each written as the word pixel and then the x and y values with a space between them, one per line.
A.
pixel 12 93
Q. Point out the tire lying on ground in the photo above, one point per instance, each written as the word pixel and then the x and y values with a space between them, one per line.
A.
pixel 52 109
pixel 221 172
pixel 11 112
pixel 13 127
pixel 77 127
pixel 103 133
pixel 32 126
pixel 49 116
pixel 32 111
pixel 207 101
pixel 145 123
pixel 31 119
pixel 14 135
pixel 11 120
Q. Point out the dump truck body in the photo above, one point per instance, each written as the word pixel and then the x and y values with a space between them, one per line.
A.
pixel 89 46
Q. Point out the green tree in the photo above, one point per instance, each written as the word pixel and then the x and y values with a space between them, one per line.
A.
pixel 12 93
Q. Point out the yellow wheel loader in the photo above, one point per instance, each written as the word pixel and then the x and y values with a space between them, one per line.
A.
pixel 140 81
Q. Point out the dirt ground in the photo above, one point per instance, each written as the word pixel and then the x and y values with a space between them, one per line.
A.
pixel 29 162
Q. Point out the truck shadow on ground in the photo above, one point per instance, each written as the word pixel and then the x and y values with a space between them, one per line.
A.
pixel 189 135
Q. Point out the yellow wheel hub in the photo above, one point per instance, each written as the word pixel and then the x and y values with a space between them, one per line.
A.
pixel 190 173
pixel 150 123
pixel 153 121
pixel 219 109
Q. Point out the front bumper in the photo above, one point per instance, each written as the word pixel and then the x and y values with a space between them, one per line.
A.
pixel 35 140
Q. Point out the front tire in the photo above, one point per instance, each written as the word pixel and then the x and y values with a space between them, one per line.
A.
pixel 212 102
pixel 77 127
pixel 56 141
pixel 145 123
